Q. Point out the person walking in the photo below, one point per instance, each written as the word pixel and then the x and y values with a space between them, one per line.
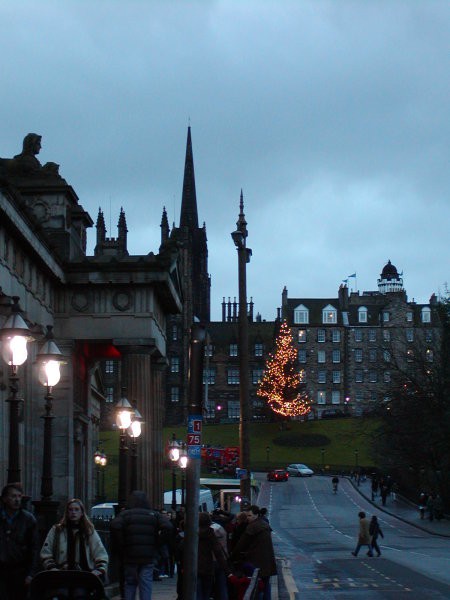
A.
pixel 375 531
pixel 220 587
pixel 430 507
pixel 384 492
pixel 19 545
pixel 364 535
pixel 74 545
pixel 255 547
pixel 136 533
pixel 211 558
pixel 423 498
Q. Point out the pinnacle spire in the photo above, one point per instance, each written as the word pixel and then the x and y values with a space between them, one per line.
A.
pixel 189 213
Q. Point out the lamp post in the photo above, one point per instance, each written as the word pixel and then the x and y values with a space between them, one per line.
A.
pixel 49 359
pixel 14 335
pixel 183 461
pixel 356 458
pixel 123 421
pixel 174 455
pixel 239 238
pixel 323 458
pixel 100 461
pixel 268 455
pixel 134 431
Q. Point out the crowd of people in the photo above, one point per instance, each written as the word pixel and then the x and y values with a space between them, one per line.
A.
pixel 146 543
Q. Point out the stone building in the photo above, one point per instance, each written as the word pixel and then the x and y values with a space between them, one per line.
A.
pixel 108 306
pixel 350 346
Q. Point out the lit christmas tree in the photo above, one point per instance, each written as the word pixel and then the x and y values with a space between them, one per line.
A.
pixel 281 385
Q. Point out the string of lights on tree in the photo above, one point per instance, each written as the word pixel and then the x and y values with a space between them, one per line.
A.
pixel 281 384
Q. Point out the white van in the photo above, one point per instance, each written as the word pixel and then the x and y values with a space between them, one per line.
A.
pixel 205 502
pixel 105 511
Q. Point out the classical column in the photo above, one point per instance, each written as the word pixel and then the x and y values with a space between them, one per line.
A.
pixel 144 390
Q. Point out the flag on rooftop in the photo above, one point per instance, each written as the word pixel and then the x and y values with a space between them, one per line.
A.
pixel 354 275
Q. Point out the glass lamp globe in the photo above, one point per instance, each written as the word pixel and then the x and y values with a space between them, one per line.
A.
pixel 50 373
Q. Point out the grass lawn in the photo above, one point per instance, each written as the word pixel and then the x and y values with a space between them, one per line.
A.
pixel 345 443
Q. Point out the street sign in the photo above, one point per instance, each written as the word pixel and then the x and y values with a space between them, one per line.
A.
pixel 194 436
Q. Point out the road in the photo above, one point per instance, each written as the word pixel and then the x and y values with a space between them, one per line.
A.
pixel 316 530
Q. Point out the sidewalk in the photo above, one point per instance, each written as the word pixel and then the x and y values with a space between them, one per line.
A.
pixel 404 510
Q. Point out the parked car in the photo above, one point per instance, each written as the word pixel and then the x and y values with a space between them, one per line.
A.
pixel 278 475
pixel 300 470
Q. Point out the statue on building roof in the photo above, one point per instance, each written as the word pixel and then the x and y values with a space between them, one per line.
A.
pixel 26 164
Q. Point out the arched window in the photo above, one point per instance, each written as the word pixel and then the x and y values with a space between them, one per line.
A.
pixel 426 314
pixel 362 314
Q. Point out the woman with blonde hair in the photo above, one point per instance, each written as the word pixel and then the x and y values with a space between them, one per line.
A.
pixel 73 543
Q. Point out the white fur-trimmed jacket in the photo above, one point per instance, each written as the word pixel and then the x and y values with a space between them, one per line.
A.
pixel 54 550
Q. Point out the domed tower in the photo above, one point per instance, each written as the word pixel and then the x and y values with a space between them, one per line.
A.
pixel 390 280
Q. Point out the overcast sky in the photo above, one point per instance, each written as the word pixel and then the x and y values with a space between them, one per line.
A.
pixel 332 116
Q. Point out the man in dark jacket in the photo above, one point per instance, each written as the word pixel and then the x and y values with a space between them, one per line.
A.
pixel 255 547
pixel 19 545
pixel 136 534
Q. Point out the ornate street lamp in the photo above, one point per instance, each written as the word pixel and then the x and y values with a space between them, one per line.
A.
pixel 183 462
pixel 239 238
pixel 134 431
pixel 174 455
pixel 49 359
pixel 100 461
pixel 14 336
pixel 124 412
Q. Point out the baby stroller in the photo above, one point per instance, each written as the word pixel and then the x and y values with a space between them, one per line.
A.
pixel 66 585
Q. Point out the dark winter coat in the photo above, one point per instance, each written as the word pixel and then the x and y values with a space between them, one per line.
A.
pixel 209 548
pixel 375 530
pixel 255 547
pixel 19 543
pixel 137 533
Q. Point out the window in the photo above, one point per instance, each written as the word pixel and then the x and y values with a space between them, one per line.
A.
pixel 209 375
pixel 321 397
pixel 302 356
pixel 175 394
pixel 386 356
pixel 208 350
pixel 372 335
pixel 426 314
pixel 321 377
pixel 174 333
pixel 302 335
pixel 336 335
pixel 259 348
pixel 429 355
pixel 336 356
pixel 109 366
pixel 359 396
pixel 358 376
pixel 409 317
pixel 335 397
pixel 410 335
pixel 336 377
pixel 321 337
pixel 301 315
pixel 362 314
pixel 321 356
pixel 387 377
pixel 233 349
pixel 234 409
pixel 386 335
pixel 372 355
pixel 329 314
pixel 257 375
pixel 175 364
pixel 358 335
pixel 233 376
pixel 109 394
pixel 386 316
pixel 358 355
pixel 373 396
pixel 373 377
pixel 428 335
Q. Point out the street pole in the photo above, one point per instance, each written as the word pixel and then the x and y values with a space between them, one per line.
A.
pixel 174 478
pixel 14 472
pixel 195 409
pixel 239 238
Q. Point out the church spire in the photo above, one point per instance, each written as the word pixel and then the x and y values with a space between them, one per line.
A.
pixel 189 214
pixel 164 227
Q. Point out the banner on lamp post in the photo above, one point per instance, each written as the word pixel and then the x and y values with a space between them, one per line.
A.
pixel 194 436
